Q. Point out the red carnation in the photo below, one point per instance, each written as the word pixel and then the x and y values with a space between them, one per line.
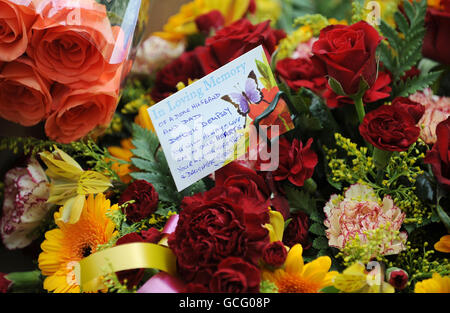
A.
pixel 439 156
pixel 212 20
pixel 303 72
pixel 133 277
pixel 247 180
pixel 236 39
pixel 274 254
pixel 349 54
pixel 296 162
pixel 179 70
pixel 234 275
pixel 390 128
pixel 145 197
pixel 415 109
pixel 297 231
pixel 5 283
pixel 214 225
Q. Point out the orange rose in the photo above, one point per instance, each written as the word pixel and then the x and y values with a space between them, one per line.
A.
pixel 24 94
pixel 15 26
pixel 79 111
pixel 75 45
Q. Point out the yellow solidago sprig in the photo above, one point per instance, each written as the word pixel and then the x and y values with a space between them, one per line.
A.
pixel 375 242
pixel 70 183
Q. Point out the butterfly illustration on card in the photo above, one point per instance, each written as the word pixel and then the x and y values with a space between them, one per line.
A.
pixel 242 99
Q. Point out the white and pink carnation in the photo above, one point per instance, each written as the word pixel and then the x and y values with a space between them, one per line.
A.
pixel 437 109
pixel 360 210
pixel 304 49
pixel 25 204
pixel 154 53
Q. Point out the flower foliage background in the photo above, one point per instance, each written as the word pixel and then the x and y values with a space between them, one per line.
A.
pixel 360 201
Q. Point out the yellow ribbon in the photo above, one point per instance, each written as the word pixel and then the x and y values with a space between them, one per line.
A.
pixel 124 257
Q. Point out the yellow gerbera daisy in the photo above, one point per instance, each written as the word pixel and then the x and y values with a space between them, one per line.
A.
pixel 436 284
pixel 66 245
pixel 443 245
pixel 296 277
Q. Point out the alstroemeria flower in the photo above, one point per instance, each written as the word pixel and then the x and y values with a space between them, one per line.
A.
pixel 70 183
pixel 24 205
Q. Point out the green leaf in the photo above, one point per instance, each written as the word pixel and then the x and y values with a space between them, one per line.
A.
pixel 336 86
pixel 150 159
pixel 330 289
pixel 317 229
pixel 320 243
pixel 424 188
pixel 266 73
pixel 315 216
pixel 414 84
pixel 445 219
pixel 300 201
pixel 391 35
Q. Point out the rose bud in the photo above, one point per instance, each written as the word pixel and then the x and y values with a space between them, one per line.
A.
pixel 397 277
pixel 274 254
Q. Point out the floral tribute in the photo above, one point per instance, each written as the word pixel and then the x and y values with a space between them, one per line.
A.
pixel 359 201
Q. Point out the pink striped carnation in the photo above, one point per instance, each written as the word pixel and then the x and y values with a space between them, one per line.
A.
pixel 360 211
pixel 24 205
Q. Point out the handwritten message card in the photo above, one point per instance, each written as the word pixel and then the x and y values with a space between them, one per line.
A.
pixel 205 125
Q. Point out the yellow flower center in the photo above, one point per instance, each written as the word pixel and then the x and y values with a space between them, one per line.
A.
pixel 294 283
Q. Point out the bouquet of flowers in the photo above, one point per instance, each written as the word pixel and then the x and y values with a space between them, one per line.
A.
pixel 359 201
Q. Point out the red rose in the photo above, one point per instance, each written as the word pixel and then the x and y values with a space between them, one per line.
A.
pixel 145 197
pixel 5 283
pixel 297 231
pixel 390 128
pixel 214 225
pixel 247 180
pixel 379 90
pixel 436 45
pixel 415 109
pixel 349 54
pixel 179 70
pixel 236 39
pixel 305 72
pixel 235 275
pixel 439 156
pixel 210 21
pixel 195 288
pixel 296 162
pixel 274 254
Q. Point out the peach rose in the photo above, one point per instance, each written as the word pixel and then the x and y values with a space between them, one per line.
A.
pixel 79 111
pixel 73 42
pixel 24 94
pixel 15 25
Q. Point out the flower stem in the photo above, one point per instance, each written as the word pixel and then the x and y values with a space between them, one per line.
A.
pixel 359 108
pixel 381 159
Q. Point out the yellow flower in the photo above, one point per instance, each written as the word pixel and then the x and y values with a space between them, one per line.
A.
pixel 182 24
pixel 443 245
pixel 70 183
pixel 266 10
pixel 296 277
pixel 66 245
pixel 276 226
pixel 436 284
pixel 355 280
